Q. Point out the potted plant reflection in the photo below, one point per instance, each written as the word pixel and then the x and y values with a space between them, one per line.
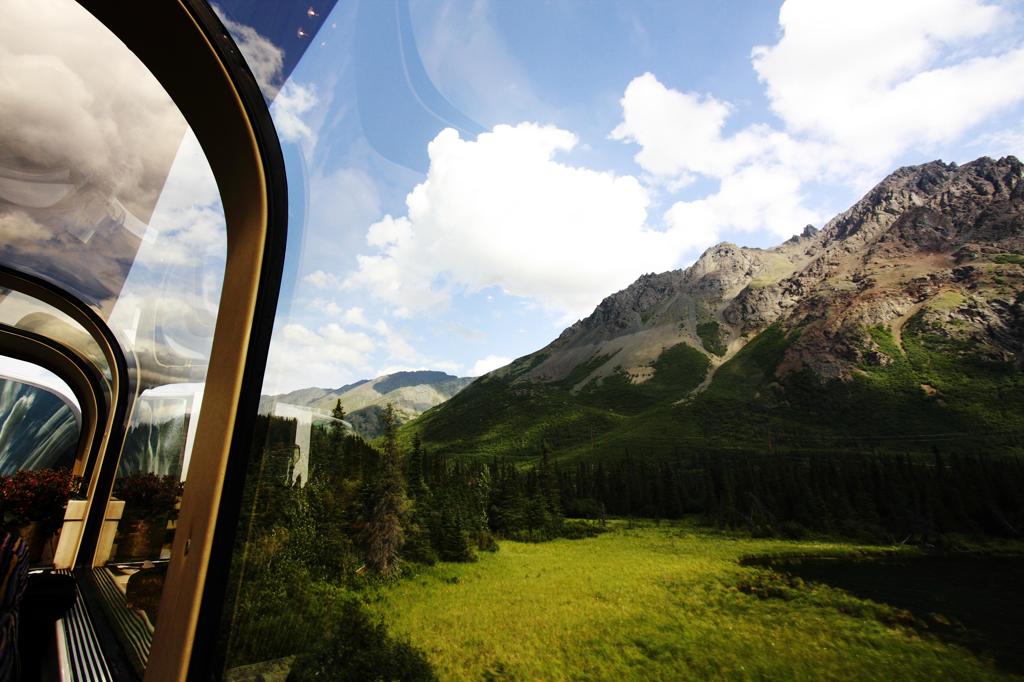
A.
pixel 33 503
pixel 151 501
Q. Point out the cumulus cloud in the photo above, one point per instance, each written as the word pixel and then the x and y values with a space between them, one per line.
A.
pixel 757 197
pixel 856 88
pixel 294 100
pixel 877 78
pixel 300 356
pixel 490 363
pixel 502 211
pixel 322 280
pixel 678 132
pixel 857 85
pixel 340 352
pixel 75 100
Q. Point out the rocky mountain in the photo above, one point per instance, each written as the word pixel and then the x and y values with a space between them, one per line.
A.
pixel 411 393
pixel 911 300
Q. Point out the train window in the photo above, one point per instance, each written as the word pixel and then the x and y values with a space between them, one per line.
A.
pixel 41 417
pixel 107 198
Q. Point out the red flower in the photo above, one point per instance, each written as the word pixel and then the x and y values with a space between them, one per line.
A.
pixel 38 495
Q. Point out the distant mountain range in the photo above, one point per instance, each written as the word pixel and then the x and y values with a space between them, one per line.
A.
pixel 898 326
pixel 411 393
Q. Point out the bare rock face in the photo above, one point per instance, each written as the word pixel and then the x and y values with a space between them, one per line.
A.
pixel 938 244
pixel 923 245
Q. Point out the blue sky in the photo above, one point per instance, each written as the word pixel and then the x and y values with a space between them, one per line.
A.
pixel 468 178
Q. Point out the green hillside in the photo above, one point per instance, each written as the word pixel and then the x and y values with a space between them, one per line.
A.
pixel 933 391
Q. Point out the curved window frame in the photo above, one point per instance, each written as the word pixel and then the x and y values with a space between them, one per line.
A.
pixel 100 481
pixel 200 67
pixel 81 376
pixel 202 70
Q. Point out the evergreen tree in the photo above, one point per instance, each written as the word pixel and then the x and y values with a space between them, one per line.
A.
pixel 386 527
pixel 547 480
pixel 417 545
pixel 338 412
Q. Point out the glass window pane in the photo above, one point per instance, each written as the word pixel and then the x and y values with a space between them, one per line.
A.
pixel 40 428
pixel 30 314
pixel 106 193
pixel 40 418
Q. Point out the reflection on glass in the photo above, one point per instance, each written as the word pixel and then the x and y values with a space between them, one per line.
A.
pixel 317 504
pixel 40 421
pixel 30 314
pixel 105 192
pixel 40 427
pixel 162 431
pixel 165 313
pixel 87 140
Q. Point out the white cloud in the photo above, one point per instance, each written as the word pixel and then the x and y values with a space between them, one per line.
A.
pixel 857 85
pixel 265 59
pixel 334 354
pixel 291 103
pixel 301 357
pixel 485 365
pixel 877 77
pixel 678 132
pixel 322 280
pixel 501 211
pixel 755 198
pixel 357 317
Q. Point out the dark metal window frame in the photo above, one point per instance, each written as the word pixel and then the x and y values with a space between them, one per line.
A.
pixel 111 437
pixel 81 376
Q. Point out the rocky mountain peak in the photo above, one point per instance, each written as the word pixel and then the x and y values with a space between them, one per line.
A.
pixel 927 231
pixel 954 190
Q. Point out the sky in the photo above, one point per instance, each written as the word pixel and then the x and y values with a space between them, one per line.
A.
pixel 467 178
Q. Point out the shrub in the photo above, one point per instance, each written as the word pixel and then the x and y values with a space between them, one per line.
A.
pixel 148 496
pixel 38 495
pixel 354 647
pixel 577 530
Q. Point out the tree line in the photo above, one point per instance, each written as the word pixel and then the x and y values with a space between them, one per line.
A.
pixel 874 497
pixel 307 549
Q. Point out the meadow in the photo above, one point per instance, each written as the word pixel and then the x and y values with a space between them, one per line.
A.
pixel 676 601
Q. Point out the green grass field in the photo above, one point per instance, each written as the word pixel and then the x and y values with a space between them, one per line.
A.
pixel 666 602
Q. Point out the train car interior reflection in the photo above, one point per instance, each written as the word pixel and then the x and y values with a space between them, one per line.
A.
pixel 143 219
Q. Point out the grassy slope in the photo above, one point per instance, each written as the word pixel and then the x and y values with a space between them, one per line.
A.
pixel 655 603
pixel 745 407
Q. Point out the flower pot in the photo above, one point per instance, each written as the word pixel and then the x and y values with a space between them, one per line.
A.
pixel 140 539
